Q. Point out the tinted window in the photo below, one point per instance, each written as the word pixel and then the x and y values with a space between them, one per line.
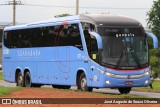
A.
pixel 88 26
pixel 123 48
pixel 61 35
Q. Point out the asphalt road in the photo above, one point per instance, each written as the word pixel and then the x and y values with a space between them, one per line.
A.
pixel 102 90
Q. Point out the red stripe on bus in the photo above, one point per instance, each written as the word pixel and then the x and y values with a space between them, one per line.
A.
pixel 134 70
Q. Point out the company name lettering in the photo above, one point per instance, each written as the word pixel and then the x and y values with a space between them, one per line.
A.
pixel 125 35
pixel 29 53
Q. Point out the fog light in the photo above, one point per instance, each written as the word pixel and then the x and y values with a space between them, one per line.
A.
pixel 108 82
pixel 146 82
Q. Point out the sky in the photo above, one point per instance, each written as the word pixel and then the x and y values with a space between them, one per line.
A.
pixel 46 9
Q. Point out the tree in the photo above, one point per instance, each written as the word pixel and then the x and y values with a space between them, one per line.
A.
pixel 63 15
pixel 153 23
pixel 153 20
pixel 155 61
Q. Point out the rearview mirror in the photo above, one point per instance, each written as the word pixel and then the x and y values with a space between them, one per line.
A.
pixel 155 39
pixel 98 38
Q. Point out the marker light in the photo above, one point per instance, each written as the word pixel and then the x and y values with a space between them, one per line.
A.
pixel 108 74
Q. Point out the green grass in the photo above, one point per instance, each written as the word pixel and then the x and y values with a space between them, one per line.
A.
pixel 1 76
pixel 156 87
pixel 7 90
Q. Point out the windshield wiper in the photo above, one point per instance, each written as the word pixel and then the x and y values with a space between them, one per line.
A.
pixel 135 57
pixel 121 56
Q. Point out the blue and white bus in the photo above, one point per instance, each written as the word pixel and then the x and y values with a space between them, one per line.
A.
pixel 87 51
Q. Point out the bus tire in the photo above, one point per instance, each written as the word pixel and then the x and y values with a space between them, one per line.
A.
pixel 125 90
pixel 27 80
pixel 19 79
pixel 82 83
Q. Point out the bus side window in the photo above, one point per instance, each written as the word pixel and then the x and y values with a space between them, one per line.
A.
pixel 25 38
pixel 13 39
pixel 94 46
pixel 88 40
pixel 6 39
pixel 89 26
pixel 72 36
pixel 94 49
pixel 38 37
pixel 91 44
pixel 51 35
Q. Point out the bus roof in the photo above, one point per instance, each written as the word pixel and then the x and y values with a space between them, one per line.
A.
pixel 109 20
pixel 98 19
pixel 48 22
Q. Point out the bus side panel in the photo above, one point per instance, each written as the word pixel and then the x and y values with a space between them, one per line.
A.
pixel 54 74
pixel 61 68
pixel 76 66
pixel 7 72
pixel 43 72
pixel 79 61
pixel 95 75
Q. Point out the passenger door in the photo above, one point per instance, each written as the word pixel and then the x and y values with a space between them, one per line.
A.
pixel 94 61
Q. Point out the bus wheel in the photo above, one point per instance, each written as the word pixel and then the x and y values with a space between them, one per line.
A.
pixel 27 80
pixel 124 90
pixel 83 83
pixel 19 79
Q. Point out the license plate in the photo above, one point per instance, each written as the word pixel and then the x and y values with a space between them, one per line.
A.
pixel 128 82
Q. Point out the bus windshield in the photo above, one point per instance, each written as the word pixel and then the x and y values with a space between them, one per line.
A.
pixel 123 48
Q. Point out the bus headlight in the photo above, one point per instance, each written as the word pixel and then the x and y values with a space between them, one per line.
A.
pixel 108 74
pixel 105 73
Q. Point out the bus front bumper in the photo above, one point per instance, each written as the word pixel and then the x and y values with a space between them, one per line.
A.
pixel 111 82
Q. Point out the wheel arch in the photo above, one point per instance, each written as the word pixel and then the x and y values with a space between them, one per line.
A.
pixel 25 71
pixel 79 72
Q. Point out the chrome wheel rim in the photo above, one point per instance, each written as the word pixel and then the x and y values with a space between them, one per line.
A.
pixel 83 83
pixel 20 80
